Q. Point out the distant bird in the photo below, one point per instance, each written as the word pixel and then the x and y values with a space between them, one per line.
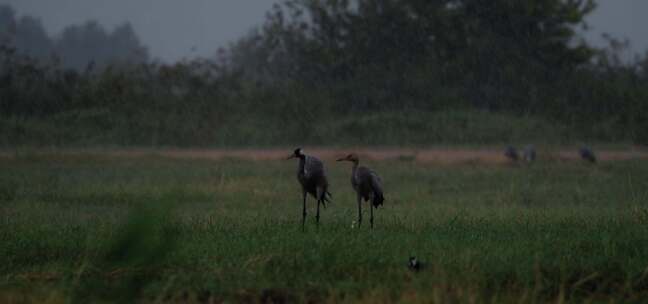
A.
pixel 511 153
pixel 414 265
pixel 312 177
pixel 529 153
pixel 367 185
pixel 587 154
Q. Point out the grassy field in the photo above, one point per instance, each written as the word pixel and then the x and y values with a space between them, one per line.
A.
pixel 102 229
pixel 249 128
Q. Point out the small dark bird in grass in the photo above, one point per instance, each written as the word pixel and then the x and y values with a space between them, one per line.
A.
pixel 511 153
pixel 367 185
pixel 414 264
pixel 529 153
pixel 587 154
pixel 312 178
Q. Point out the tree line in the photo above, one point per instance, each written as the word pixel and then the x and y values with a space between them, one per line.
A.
pixel 315 68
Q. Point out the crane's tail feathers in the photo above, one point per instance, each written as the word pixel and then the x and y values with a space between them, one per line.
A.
pixel 378 199
pixel 325 197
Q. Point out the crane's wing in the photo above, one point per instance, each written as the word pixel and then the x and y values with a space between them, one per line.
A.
pixel 376 187
pixel 313 167
pixel 366 175
pixel 375 178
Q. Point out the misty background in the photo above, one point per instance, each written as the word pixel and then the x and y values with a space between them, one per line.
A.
pixel 309 72
pixel 173 30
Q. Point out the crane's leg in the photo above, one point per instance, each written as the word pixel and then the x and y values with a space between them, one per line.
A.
pixel 320 195
pixel 304 213
pixel 359 210
pixel 317 215
pixel 371 218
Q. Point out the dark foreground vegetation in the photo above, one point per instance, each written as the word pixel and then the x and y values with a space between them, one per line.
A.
pixel 90 228
pixel 339 72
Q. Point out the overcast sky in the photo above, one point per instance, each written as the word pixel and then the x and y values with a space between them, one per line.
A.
pixel 175 29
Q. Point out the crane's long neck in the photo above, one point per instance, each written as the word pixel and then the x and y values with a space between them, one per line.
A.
pixel 302 162
pixel 354 169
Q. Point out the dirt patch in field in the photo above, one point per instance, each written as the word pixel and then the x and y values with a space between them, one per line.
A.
pixel 424 155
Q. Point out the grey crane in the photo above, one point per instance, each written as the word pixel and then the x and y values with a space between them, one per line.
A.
pixel 511 153
pixel 367 185
pixel 587 154
pixel 529 153
pixel 312 177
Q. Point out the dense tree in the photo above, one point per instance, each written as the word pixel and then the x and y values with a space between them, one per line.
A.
pixel 7 24
pixel 478 46
pixel 91 43
pixel 31 38
pixel 77 46
pixel 127 46
pixel 25 36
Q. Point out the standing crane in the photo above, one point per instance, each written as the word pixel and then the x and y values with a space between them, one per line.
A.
pixel 312 177
pixel 529 153
pixel 511 153
pixel 367 185
pixel 587 154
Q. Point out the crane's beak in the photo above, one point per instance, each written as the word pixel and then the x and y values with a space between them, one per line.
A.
pixel 341 159
pixel 290 157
